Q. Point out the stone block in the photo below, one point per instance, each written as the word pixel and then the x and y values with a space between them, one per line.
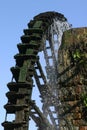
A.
pixel 83 128
pixel 74 35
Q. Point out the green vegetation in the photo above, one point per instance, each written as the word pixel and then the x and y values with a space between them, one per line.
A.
pixel 76 55
pixel 84 99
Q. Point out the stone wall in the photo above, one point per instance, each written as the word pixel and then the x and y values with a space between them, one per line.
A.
pixel 72 78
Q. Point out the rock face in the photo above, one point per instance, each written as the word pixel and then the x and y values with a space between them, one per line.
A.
pixel 72 78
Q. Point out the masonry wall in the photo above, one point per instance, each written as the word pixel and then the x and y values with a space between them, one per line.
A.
pixel 72 79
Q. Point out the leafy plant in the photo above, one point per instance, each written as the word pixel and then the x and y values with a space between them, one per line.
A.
pixel 76 55
pixel 84 108
pixel 84 99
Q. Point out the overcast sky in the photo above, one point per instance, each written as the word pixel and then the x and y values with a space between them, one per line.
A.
pixel 14 16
